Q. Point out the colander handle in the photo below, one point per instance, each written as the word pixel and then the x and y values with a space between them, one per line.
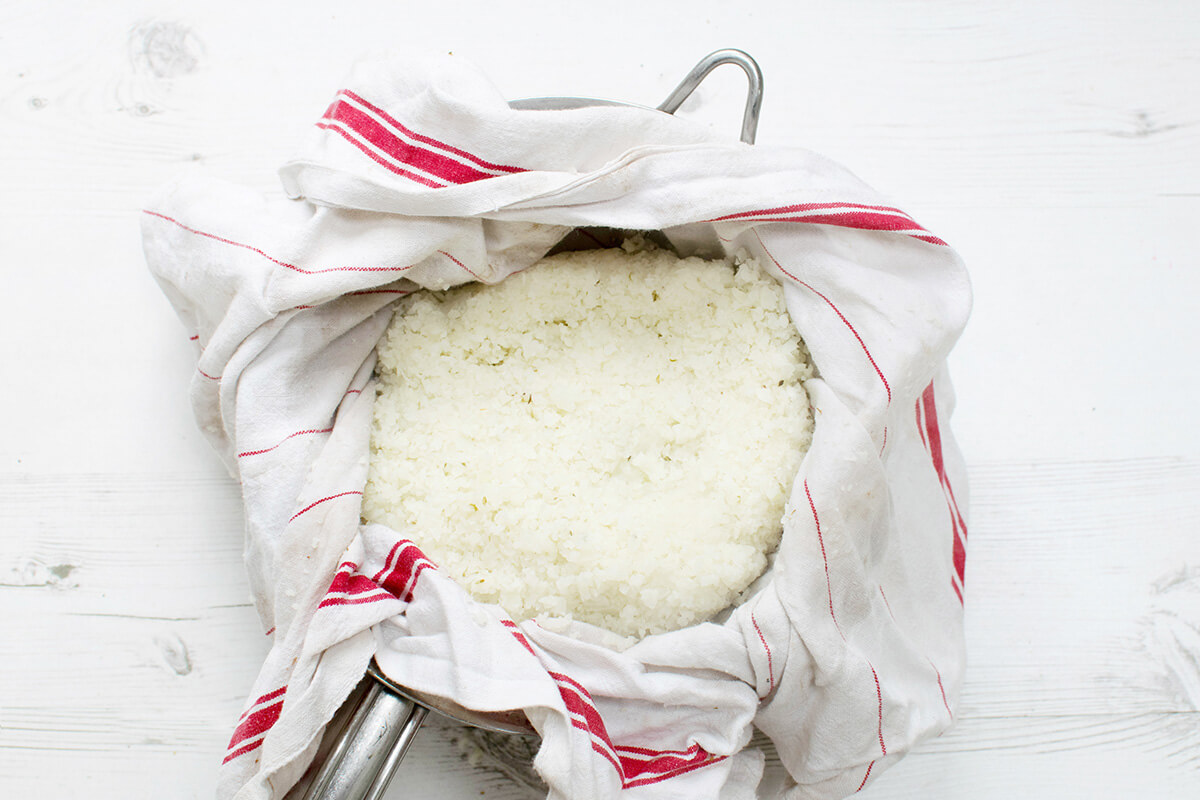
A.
pixel 754 94
pixel 370 749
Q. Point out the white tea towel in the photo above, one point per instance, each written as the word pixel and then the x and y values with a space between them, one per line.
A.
pixel 419 175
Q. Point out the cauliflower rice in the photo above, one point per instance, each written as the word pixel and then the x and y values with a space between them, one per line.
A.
pixel 609 436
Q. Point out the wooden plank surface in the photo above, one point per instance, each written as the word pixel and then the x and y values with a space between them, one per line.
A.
pixel 1056 145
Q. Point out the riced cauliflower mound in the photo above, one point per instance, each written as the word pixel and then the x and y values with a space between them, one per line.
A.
pixel 608 436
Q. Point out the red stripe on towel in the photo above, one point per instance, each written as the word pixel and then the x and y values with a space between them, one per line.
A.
pixel 843 215
pixel 404 564
pixel 864 780
pixel 879 696
pixel 398 151
pixel 311 506
pixel 942 688
pixel 770 664
pixel 379 158
pixel 825 558
pixel 887 387
pixel 635 765
pixel 461 264
pixel 255 722
pixel 927 426
pixel 284 440
pixel 429 140
pixel 271 258
pixel 800 207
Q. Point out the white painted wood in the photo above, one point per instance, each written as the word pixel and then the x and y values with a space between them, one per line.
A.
pixel 1056 145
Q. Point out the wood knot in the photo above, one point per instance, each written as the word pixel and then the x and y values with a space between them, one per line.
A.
pixel 164 49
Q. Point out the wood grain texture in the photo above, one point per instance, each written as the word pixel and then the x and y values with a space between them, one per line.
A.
pixel 1056 145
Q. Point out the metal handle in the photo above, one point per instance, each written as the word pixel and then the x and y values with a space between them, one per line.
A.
pixel 366 755
pixel 754 94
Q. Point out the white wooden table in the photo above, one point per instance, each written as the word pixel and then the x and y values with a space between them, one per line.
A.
pixel 1056 145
